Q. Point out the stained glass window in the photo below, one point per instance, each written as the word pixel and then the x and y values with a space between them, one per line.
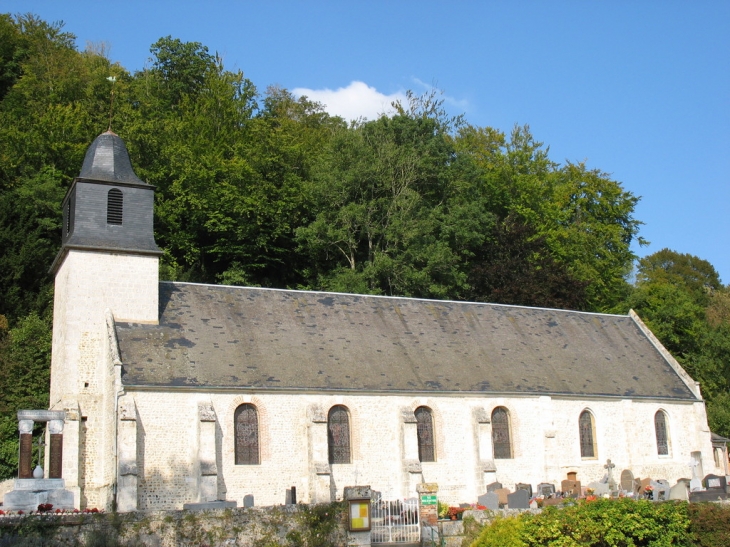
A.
pixel 424 420
pixel 501 434
pixel 662 438
pixel 338 435
pixel 247 435
pixel 587 441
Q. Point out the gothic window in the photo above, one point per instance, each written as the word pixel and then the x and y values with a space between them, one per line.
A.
pixel 501 433
pixel 338 434
pixel 247 435
pixel 114 206
pixel 424 430
pixel 587 435
pixel 662 437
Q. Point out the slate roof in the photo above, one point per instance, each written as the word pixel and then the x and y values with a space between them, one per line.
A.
pixel 107 160
pixel 266 339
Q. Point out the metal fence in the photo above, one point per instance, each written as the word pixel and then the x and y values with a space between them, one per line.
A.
pixel 395 521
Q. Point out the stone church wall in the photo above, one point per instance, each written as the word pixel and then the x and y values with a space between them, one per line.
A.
pixel 293 445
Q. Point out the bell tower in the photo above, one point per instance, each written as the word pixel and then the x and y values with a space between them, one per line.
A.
pixel 105 271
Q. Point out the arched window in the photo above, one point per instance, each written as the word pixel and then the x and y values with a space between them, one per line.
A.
pixel 587 435
pixel 501 438
pixel 114 206
pixel 662 436
pixel 247 435
pixel 424 430
pixel 338 434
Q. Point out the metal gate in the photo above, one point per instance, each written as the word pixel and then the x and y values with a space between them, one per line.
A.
pixel 395 521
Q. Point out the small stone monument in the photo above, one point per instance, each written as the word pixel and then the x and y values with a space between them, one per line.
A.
pixel 545 489
pixel 490 500
pixel 627 482
pixel 695 485
pixel 518 500
pixel 680 491
pixel 30 491
pixel 502 493
pixel 571 486
pixel 609 467
pixel 493 487
pixel 524 486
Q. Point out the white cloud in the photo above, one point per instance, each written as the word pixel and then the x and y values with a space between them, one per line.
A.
pixel 354 101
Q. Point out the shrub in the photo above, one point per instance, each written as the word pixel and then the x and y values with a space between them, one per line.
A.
pixel 709 524
pixel 501 532
pixel 610 523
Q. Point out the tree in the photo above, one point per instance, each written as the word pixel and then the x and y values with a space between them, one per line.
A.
pixel 514 266
pixel 25 354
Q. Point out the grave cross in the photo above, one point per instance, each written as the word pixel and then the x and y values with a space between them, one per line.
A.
pixel 609 468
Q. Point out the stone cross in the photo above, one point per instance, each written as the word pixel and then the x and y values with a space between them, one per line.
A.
pixel 609 468
pixel 694 464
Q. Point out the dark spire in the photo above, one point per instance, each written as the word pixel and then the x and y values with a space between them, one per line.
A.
pixel 107 160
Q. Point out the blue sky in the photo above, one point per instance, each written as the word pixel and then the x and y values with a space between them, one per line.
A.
pixel 638 89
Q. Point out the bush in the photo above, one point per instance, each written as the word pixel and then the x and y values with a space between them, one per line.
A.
pixel 610 523
pixel 501 532
pixel 709 524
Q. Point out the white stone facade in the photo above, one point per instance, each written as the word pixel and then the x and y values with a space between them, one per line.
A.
pixel 88 284
pixel 172 445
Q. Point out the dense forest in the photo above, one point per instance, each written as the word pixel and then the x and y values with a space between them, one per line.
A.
pixel 261 188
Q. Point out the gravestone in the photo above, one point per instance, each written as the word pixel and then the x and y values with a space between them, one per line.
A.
pixel 524 486
pixel 599 488
pixel 248 500
pixel 661 490
pixel 679 491
pixel 715 481
pixel 545 489
pixel 627 481
pixel 502 493
pixel 695 485
pixel 518 500
pixel 490 500
pixel 609 467
pixel 570 486
pixel 716 489
pixel 493 487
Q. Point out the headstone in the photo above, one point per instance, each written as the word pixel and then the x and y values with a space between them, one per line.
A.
pixel 695 485
pixel 715 489
pixel 502 493
pixel 570 487
pixel 490 500
pixel 661 490
pixel 545 489
pixel 523 486
pixel 248 500
pixel 679 491
pixel 533 504
pixel 493 487
pixel 627 481
pixel 600 489
pixel 519 500
pixel 714 482
pixel 637 486
pixel 609 467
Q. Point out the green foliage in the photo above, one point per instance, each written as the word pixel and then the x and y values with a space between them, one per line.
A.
pixel 709 524
pixel 501 532
pixel 609 523
pixel 25 352
pixel 319 525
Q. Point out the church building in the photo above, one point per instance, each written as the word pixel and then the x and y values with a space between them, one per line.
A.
pixel 178 393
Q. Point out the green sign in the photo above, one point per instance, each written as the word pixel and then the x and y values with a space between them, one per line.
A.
pixel 429 499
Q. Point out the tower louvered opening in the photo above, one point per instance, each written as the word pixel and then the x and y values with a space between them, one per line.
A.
pixel 114 206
